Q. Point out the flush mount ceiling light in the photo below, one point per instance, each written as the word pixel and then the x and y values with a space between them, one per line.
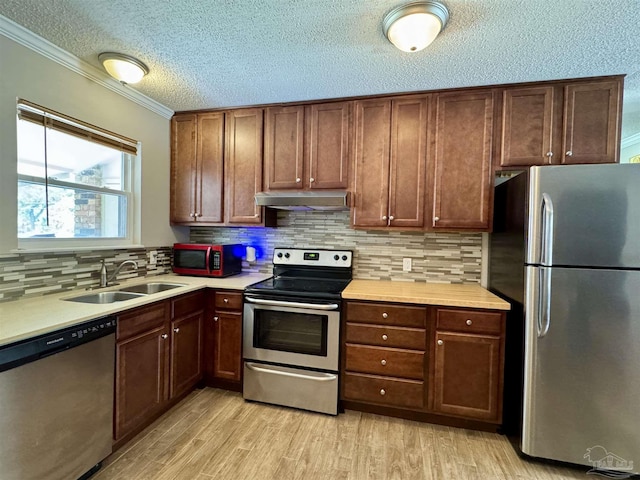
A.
pixel 413 26
pixel 124 68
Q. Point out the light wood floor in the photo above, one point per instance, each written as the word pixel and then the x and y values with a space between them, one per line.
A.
pixel 216 434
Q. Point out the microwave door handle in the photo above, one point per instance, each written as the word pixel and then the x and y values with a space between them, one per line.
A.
pixel 546 255
pixel 276 303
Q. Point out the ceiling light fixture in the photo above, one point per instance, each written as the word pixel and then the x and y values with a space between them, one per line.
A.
pixel 124 68
pixel 412 27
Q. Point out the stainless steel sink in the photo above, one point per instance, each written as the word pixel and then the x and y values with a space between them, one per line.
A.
pixel 105 297
pixel 152 287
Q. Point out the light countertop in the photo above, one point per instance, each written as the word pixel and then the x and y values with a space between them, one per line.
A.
pixel 29 317
pixel 451 295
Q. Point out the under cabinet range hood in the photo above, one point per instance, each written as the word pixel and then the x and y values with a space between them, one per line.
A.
pixel 317 200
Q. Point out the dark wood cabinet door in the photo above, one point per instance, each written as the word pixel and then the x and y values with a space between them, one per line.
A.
pixel 467 376
pixel 243 165
pixel 228 346
pixel 463 190
pixel 141 390
pixel 527 126
pixel 183 168
pixel 409 127
pixel 186 353
pixel 327 148
pixel 371 192
pixel 592 122
pixel 284 148
pixel 209 174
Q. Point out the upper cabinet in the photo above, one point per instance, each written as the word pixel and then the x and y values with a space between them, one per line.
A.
pixel 243 166
pixel 568 123
pixel 196 168
pixel 461 154
pixel 390 162
pixel 307 147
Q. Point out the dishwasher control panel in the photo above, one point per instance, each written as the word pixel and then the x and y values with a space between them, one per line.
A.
pixel 26 351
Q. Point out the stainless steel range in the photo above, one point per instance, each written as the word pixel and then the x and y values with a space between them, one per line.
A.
pixel 291 336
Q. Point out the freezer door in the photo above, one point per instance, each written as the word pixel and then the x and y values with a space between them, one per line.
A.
pixel 584 215
pixel 582 375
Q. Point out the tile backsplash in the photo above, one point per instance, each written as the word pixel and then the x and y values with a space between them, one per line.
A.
pixel 436 257
pixel 33 274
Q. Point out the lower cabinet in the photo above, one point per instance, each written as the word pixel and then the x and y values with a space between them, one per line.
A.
pixel 224 339
pixel 424 362
pixel 158 359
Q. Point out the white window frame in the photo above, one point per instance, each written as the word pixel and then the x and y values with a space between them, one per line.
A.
pixel 131 167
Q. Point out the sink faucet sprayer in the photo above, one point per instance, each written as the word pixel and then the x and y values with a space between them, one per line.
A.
pixel 104 281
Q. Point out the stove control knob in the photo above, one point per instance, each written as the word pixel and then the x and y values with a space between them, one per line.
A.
pixel 336 257
pixel 279 254
pixel 344 257
pixel 286 255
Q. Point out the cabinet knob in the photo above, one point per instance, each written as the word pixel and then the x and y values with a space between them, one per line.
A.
pixel 391 217
pixel 549 154
pixel 383 362
pixel 164 336
pixel 382 392
pixel 384 337
pixel 569 153
pixel 198 214
pixel 215 319
pixel 226 300
pixel 191 214
pixel 298 180
pixel 384 217
pixel 176 329
pixel 435 219
pixel 311 180
pixel 385 315
pixel 440 342
pixel 469 322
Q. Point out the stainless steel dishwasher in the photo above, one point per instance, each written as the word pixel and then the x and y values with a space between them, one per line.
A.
pixel 56 403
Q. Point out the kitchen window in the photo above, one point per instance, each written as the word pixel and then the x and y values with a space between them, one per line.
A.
pixel 74 182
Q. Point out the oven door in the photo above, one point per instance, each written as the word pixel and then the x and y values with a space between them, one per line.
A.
pixel 292 333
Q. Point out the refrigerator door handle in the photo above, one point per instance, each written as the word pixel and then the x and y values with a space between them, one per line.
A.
pixel 544 299
pixel 546 254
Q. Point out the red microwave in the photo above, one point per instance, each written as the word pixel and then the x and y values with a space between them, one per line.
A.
pixel 207 260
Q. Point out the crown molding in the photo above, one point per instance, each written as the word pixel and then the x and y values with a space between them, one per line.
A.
pixel 28 39
pixel 632 140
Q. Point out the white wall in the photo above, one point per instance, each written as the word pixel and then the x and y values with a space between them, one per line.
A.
pixel 28 75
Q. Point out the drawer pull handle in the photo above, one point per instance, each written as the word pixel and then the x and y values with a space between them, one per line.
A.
pixel 383 362
pixel 384 337
pixel 382 392
pixel 385 315
pixel 226 300
pixel 177 329
pixel 215 319
pixel 164 336
pixel 440 342
pixel 469 322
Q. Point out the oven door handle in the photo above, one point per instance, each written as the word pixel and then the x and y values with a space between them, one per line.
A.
pixel 276 303
pixel 318 376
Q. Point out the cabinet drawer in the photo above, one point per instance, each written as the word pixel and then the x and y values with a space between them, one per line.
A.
pixel 384 336
pixel 228 300
pixel 142 319
pixel 389 391
pixel 387 314
pixel 391 362
pixel 469 321
pixel 187 304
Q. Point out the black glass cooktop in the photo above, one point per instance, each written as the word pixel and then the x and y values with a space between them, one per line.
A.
pixel 292 286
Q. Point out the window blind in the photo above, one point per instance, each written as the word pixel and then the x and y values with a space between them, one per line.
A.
pixel 43 116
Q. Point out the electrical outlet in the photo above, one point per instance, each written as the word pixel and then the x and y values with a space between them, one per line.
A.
pixel 406 264
pixel 153 257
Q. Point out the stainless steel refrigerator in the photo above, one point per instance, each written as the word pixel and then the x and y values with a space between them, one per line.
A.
pixel 566 252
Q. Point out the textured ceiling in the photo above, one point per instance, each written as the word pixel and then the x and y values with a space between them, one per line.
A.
pixel 221 53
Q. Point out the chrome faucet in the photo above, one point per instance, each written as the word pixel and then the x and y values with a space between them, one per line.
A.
pixel 104 281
